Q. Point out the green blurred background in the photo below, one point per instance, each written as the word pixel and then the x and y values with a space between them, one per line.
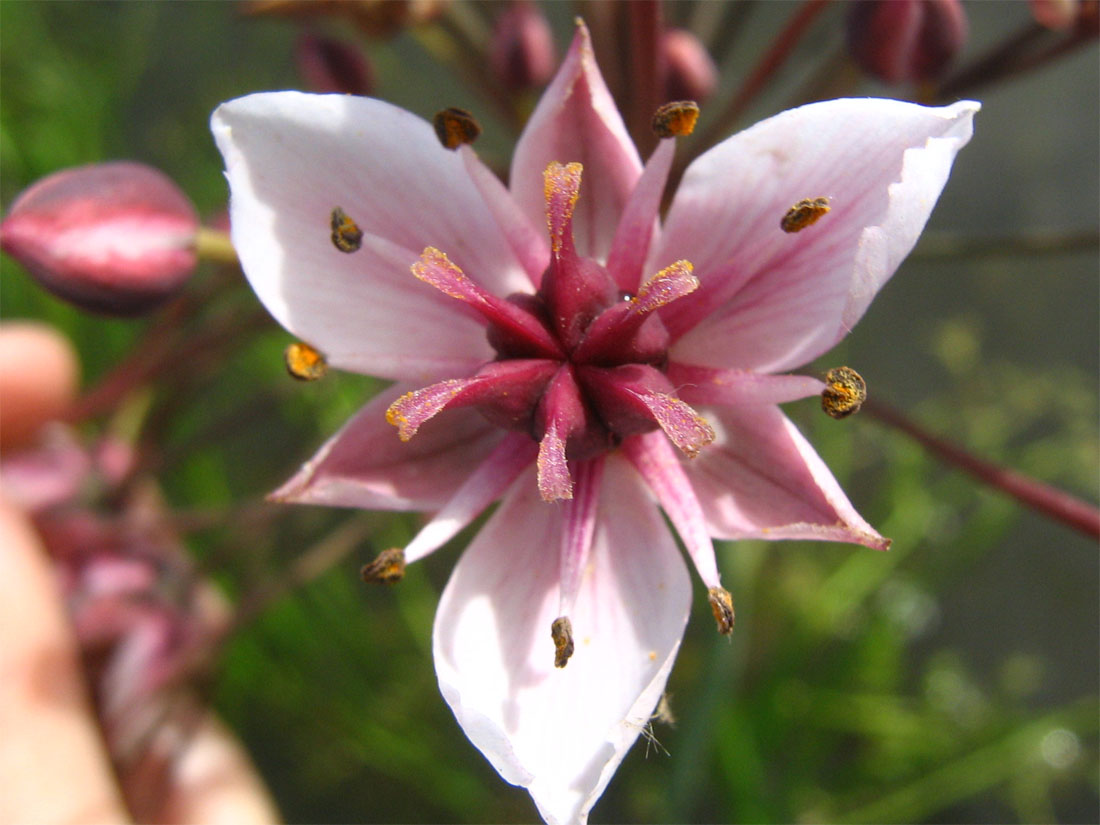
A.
pixel 953 679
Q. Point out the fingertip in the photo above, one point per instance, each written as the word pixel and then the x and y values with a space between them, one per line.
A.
pixel 39 375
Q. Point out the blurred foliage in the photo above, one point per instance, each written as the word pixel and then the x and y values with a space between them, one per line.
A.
pixel 951 679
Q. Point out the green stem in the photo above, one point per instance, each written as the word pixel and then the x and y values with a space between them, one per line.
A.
pixel 215 245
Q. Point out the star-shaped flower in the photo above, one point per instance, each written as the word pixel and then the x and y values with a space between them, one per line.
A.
pixel 556 345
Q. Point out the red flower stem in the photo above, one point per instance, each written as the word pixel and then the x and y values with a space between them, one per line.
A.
pixel 781 49
pixel 1019 54
pixel 645 92
pixel 155 348
pixel 1040 497
pixel 991 64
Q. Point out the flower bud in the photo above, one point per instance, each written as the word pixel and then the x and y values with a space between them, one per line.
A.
pixel 330 65
pixel 906 40
pixel 522 48
pixel 691 73
pixel 116 238
pixel 1055 14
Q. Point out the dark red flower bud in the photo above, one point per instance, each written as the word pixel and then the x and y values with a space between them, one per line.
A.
pixel 331 65
pixel 691 73
pixel 522 47
pixel 116 238
pixel 901 41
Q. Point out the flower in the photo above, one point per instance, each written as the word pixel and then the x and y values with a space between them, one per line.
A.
pixel 556 373
pixel 116 238
pixel 901 41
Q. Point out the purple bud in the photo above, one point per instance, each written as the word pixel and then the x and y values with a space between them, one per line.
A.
pixel 116 238
pixel 906 40
pixel 522 48
pixel 331 65
pixel 691 73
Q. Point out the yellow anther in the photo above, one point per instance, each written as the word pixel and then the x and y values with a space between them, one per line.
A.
pixel 305 363
pixel 675 119
pixel 721 605
pixel 807 211
pixel 387 568
pixel 845 393
pixel 454 126
pixel 562 633
pixel 346 234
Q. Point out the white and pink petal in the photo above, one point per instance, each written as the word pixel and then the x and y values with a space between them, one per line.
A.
pixel 762 479
pixel 771 300
pixel 366 465
pixel 576 121
pixel 562 732
pixel 291 159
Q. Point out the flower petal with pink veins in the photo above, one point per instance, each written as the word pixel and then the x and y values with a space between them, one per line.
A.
pixel 366 465
pixel 762 479
pixel 576 121
pixel 706 385
pixel 562 732
pixel 293 158
pixel 528 241
pixel 635 231
pixel 770 299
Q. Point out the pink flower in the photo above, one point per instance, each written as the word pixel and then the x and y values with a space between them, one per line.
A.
pixel 554 369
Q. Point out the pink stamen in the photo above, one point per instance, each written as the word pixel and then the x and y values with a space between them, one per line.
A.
pixel 561 413
pixel 663 471
pixel 562 187
pixel 628 332
pixel 686 428
pixel 635 230
pixel 412 409
pixel 436 269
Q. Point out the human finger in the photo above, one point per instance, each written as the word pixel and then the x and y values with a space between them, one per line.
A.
pixel 38 378
pixel 53 765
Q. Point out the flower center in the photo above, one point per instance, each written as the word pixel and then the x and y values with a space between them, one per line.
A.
pixel 580 366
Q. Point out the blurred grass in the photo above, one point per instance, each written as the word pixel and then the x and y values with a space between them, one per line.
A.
pixel 952 679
